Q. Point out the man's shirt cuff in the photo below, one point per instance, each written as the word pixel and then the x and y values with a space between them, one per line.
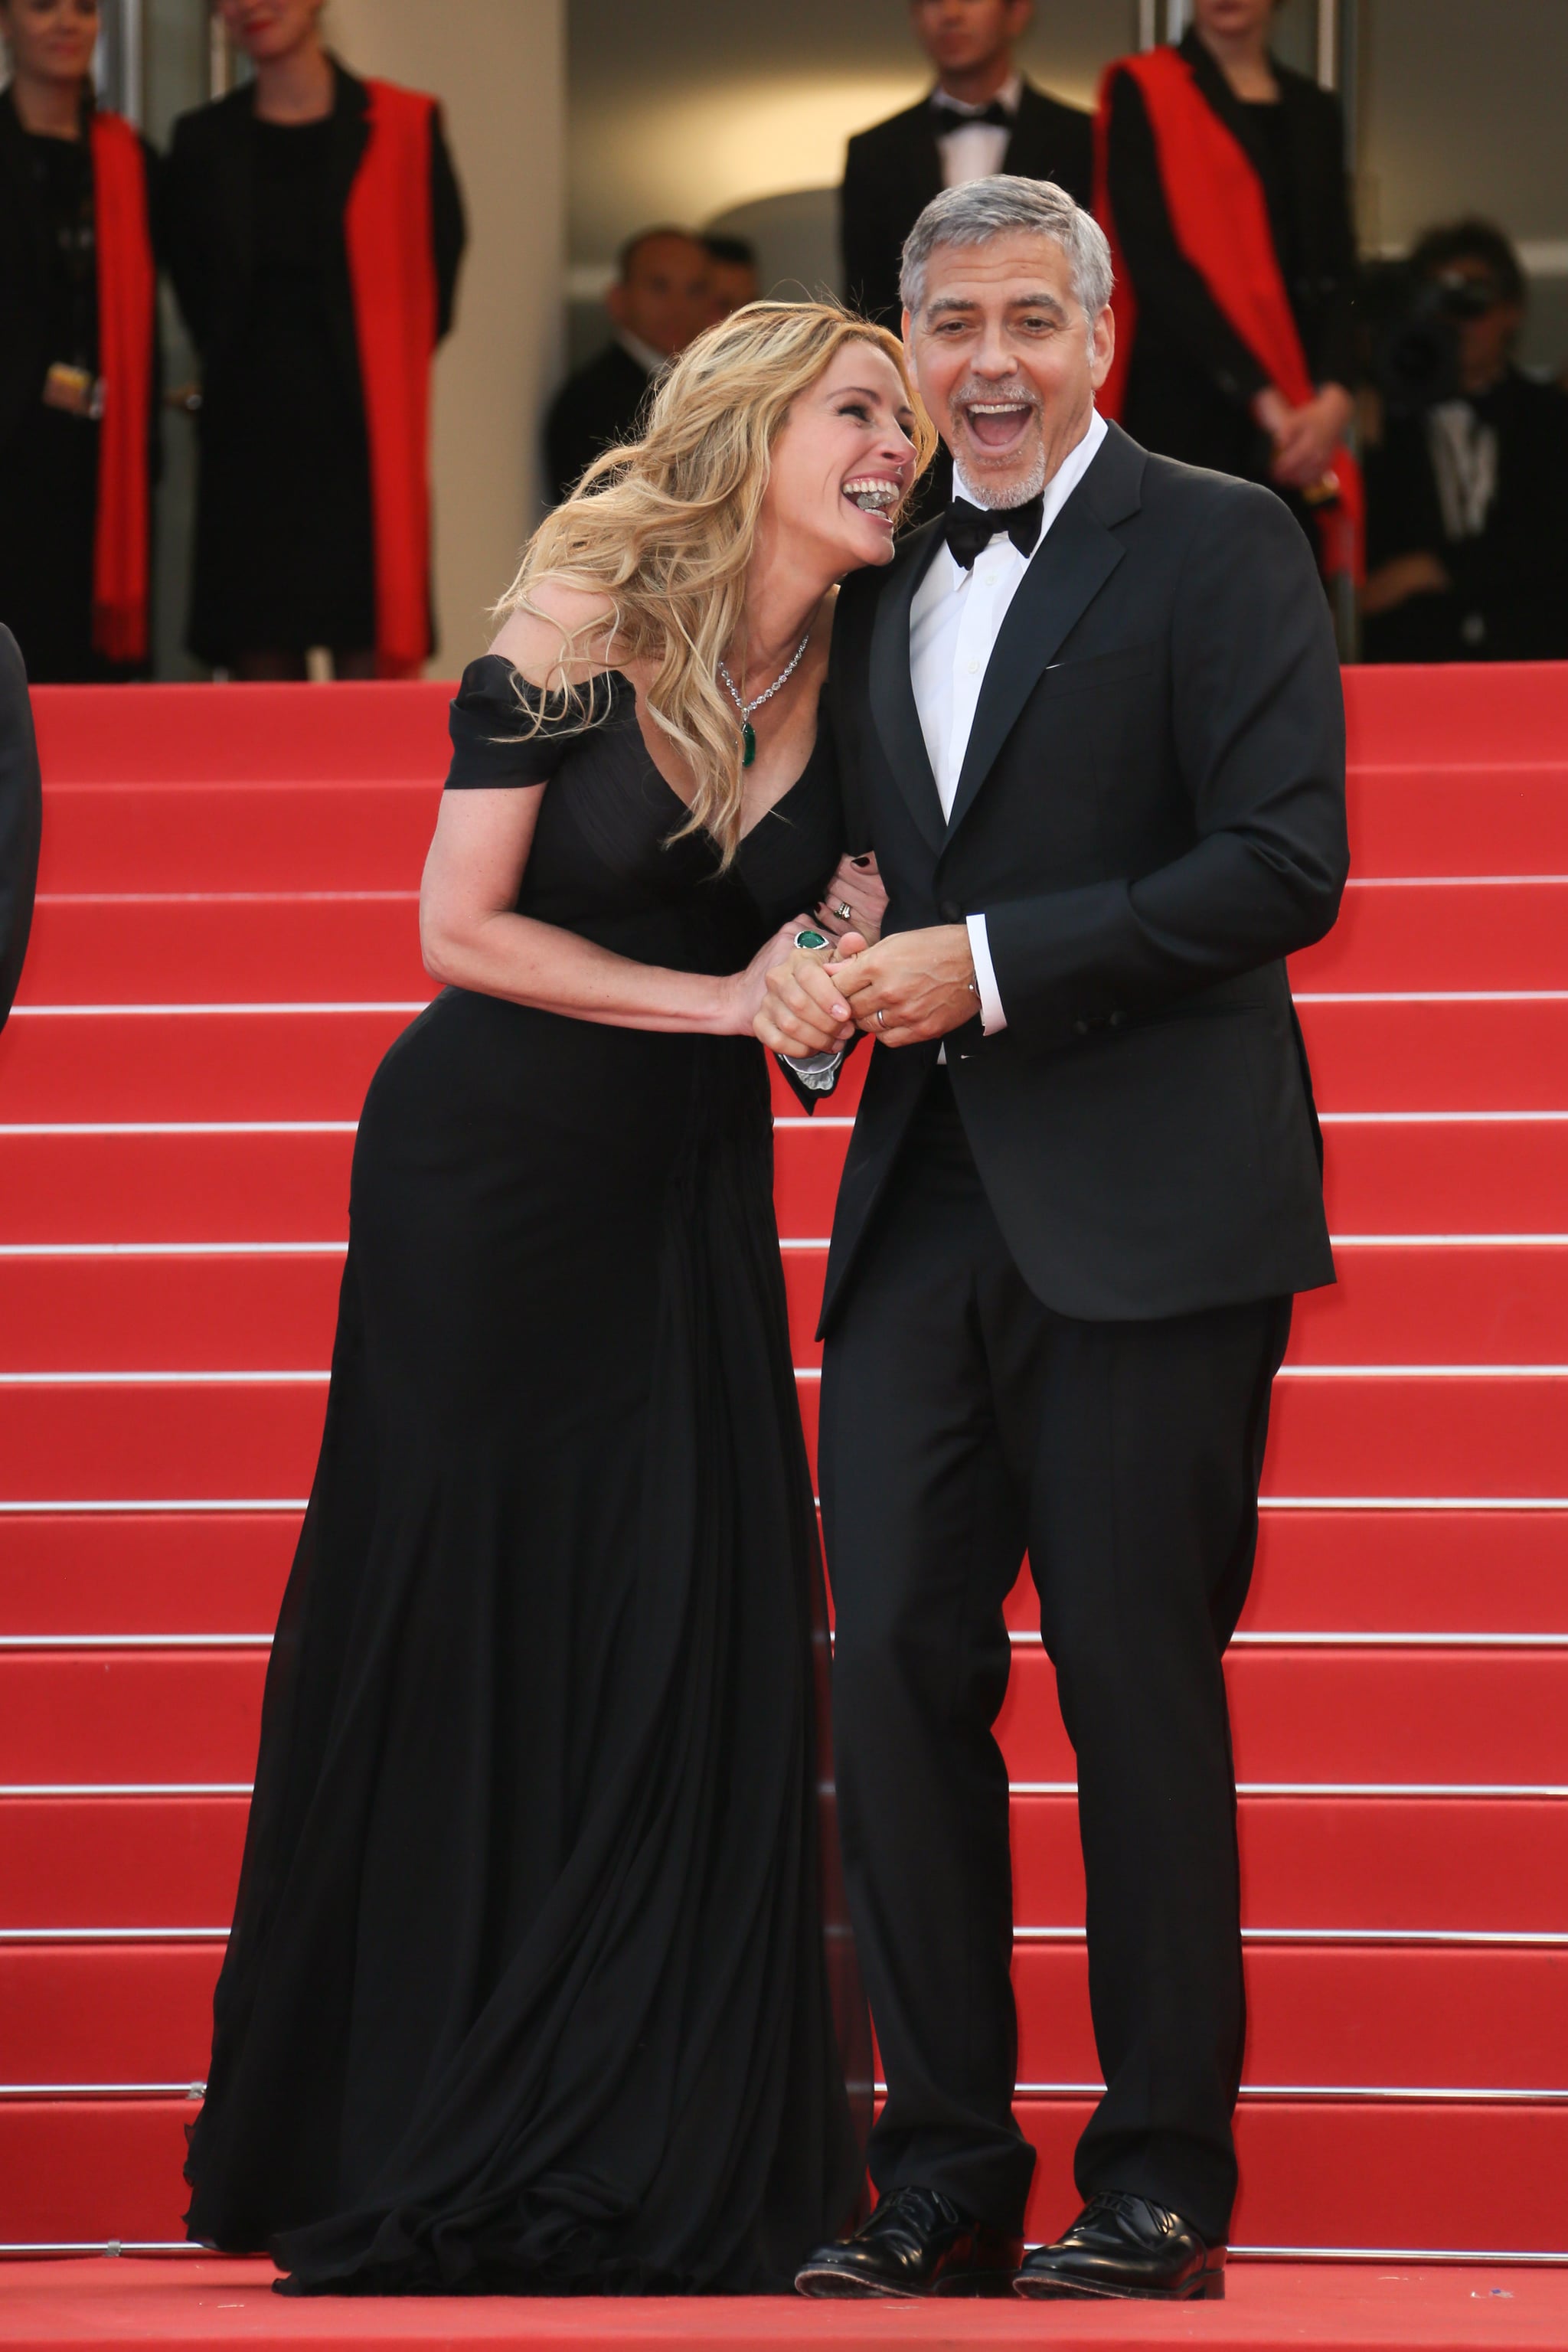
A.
pixel 992 1016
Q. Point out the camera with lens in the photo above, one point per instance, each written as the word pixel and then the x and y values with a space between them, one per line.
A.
pixel 1412 318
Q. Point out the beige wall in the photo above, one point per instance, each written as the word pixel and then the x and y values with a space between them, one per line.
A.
pixel 498 69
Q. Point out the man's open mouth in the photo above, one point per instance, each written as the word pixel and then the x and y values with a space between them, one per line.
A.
pixel 874 494
pixel 997 423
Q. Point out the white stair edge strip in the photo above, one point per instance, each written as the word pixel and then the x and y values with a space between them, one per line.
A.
pixel 285 897
pixel 1544 1792
pixel 1346 2093
pixel 183 1127
pixel 167 1377
pixel 189 1011
pixel 815 1242
pixel 141 1506
pixel 1024 1639
pixel 1507 1939
pixel 186 1010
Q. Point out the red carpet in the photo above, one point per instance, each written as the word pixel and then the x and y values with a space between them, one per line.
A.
pixel 226 942
pixel 1325 2308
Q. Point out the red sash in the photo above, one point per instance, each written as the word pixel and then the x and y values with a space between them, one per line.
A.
pixel 127 291
pixel 1219 217
pixel 392 269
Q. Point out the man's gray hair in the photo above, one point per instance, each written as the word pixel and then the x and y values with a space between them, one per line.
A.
pixel 978 210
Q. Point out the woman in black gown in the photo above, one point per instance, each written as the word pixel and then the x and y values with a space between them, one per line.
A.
pixel 70 221
pixel 291 542
pixel 529 1987
pixel 1195 390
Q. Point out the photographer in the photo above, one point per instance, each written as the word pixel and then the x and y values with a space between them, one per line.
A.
pixel 1468 486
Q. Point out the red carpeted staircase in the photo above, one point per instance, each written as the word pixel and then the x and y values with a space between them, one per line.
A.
pixel 226 942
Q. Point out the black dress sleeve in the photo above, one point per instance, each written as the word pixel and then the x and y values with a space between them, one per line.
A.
pixel 502 739
pixel 21 816
pixel 1171 295
pixel 1333 357
pixel 182 212
pixel 449 225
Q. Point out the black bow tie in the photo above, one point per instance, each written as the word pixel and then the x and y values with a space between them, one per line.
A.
pixel 948 117
pixel 970 529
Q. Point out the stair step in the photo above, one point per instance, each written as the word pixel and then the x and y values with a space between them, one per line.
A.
pixel 1478 1305
pixel 1318 2016
pixel 1315 2173
pixel 1462 932
pixel 155 1312
pixel 152 948
pixel 310 834
pixel 1424 1176
pixel 279 735
pixel 281 947
pixel 1377 1054
pixel 1350 1717
pixel 1348 1436
pixel 1352 1867
pixel 1346 1866
pixel 1347 1571
pixel 1460 1718
pixel 241 1438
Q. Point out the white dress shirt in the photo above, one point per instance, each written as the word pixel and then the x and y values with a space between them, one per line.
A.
pixel 974 151
pixel 954 622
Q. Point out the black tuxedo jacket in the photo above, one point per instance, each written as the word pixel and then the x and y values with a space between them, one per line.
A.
pixel 1151 816
pixel 21 813
pixel 598 405
pixel 892 172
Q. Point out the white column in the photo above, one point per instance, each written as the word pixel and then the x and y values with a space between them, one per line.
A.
pixel 499 68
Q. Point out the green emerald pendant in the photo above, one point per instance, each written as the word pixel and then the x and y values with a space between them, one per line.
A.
pixel 747 743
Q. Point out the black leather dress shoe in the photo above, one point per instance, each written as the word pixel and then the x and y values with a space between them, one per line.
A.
pixel 915 2243
pixel 1122 2244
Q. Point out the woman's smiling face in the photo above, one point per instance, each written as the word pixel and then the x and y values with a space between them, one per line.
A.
pixel 844 463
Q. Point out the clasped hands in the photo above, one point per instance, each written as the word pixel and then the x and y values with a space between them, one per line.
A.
pixel 908 987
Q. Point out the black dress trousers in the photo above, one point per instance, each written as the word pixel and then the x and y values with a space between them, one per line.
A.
pixel 964 1421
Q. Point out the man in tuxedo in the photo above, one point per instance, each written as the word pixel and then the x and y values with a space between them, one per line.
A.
pixel 982 117
pixel 661 300
pixel 20 819
pixel 1090 722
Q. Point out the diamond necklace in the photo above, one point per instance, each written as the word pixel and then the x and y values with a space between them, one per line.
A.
pixel 748 733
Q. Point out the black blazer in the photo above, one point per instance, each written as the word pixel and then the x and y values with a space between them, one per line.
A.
pixel 1192 376
pixel 21 819
pixel 1151 816
pixel 598 405
pixel 892 172
pixel 206 222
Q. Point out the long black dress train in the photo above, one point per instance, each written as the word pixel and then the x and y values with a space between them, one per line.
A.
pixel 530 1983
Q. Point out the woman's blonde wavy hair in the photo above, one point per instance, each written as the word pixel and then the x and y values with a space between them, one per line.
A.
pixel 665 529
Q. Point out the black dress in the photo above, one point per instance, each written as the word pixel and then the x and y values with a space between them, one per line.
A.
pixel 251 226
pixel 529 1987
pixel 48 458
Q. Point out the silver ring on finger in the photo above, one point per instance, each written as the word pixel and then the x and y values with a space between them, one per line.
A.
pixel 845 914
pixel 881 1023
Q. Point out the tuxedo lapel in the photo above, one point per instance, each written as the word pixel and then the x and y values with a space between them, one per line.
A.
pixel 1080 553
pixel 898 722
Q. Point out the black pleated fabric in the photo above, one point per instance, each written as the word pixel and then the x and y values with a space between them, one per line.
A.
pixel 539 1980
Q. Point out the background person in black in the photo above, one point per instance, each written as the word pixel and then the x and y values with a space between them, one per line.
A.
pixel 252 227
pixel 1195 390
pixel 732 272
pixel 1061 1270
pixel 1467 493
pixel 21 819
pixel 662 298
pixel 49 320
pixel 982 117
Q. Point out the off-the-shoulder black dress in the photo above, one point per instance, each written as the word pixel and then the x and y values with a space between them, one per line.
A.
pixel 535 1983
